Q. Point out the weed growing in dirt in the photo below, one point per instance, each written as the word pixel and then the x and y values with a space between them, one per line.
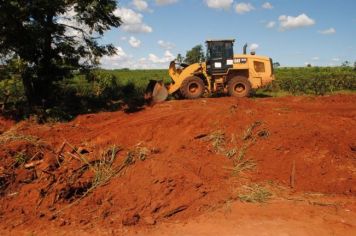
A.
pixel 20 158
pixel 103 169
pixel 217 139
pixel 11 135
pixel 241 163
pixel 255 193
pixel 249 131
pixel 137 152
pixel 231 153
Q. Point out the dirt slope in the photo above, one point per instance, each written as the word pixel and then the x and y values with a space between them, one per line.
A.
pixel 174 162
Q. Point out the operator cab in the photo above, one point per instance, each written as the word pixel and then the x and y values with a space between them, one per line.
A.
pixel 220 56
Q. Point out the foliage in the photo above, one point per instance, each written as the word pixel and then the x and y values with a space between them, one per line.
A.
pixel 346 64
pixel 196 54
pixel 52 38
pixel 112 89
pixel 276 65
pixel 313 80
pixel 180 58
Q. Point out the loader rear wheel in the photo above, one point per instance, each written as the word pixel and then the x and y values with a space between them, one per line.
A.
pixel 192 88
pixel 239 87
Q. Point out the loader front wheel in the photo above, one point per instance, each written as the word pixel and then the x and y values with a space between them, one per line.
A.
pixel 192 88
pixel 239 87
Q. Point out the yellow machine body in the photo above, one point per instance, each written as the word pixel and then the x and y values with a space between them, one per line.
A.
pixel 258 70
pixel 222 72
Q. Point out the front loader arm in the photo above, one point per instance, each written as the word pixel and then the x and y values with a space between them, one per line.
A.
pixel 179 75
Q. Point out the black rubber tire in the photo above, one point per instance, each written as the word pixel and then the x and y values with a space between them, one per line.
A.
pixel 192 87
pixel 239 86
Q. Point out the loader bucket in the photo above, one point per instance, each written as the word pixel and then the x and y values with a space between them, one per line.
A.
pixel 156 92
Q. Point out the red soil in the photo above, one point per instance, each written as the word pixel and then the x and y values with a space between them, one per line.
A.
pixel 183 177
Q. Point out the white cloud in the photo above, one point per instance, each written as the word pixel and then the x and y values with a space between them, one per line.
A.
pixel 140 5
pixel 132 21
pixel 270 24
pixel 153 61
pixel 291 22
pixel 134 42
pixel 254 47
pixel 123 60
pixel 327 31
pixel 336 59
pixel 115 61
pixel 315 58
pixel 166 45
pixel 168 57
pixel 165 2
pixel 243 7
pixel 219 4
pixel 267 5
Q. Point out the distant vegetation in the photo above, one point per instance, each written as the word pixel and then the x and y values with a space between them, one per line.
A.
pixel 114 89
pixel 313 80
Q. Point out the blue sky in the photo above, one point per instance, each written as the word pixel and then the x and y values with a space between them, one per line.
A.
pixel 292 32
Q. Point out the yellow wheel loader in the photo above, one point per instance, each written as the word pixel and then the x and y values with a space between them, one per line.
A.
pixel 222 72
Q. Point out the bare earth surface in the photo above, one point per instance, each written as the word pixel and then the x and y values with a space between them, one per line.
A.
pixel 173 172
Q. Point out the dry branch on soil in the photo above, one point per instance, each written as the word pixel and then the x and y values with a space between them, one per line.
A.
pixel 103 168
pixel 254 193
pixel 241 163
pixel 217 139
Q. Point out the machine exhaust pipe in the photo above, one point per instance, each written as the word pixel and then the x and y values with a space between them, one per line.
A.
pixel 245 49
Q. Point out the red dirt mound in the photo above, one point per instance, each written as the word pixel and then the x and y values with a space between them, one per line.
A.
pixel 173 160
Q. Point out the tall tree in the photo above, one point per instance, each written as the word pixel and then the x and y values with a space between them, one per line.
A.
pixel 53 38
pixel 276 64
pixel 345 64
pixel 196 54
pixel 179 58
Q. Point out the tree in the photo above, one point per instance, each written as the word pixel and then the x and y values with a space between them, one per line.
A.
pixel 355 65
pixel 196 54
pixel 52 38
pixel 276 65
pixel 345 64
pixel 179 58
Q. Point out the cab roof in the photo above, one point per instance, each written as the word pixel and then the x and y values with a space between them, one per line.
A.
pixel 220 40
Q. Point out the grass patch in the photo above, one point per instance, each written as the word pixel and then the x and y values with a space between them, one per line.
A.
pixel 231 153
pixel 241 163
pixel 20 158
pixel 11 135
pixel 217 139
pixel 249 131
pixel 137 153
pixel 103 169
pixel 254 193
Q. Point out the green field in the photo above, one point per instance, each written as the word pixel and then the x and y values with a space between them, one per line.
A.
pixel 110 89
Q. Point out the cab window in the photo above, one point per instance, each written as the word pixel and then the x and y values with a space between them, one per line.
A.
pixel 259 66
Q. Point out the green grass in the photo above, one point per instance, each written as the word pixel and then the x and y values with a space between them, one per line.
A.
pixel 109 89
